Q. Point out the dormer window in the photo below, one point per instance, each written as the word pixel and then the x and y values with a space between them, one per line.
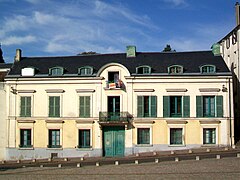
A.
pixel 86 70
pixel 208 69
pixel 56 71
pixel 175 69
pixel 143 70
pixel 28 71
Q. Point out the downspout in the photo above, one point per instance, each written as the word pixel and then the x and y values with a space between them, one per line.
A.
pixel 230 110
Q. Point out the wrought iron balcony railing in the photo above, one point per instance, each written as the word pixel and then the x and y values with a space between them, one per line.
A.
pixel 114 116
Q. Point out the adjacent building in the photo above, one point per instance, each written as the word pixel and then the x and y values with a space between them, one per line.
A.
pixel 117 104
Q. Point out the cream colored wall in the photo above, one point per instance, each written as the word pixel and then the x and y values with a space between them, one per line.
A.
pixel 134 86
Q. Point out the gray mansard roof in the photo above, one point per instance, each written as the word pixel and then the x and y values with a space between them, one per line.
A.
pixel 158 61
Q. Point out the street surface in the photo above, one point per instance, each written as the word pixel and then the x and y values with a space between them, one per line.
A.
pixel 226 168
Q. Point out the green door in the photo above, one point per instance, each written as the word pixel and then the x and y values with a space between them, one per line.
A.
pixel 113 141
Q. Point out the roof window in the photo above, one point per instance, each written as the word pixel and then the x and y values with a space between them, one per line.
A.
pixel 56 71
pixel 208 69
pixel 28 71
pixel 143 70
pixel 86 70
pixel 175 69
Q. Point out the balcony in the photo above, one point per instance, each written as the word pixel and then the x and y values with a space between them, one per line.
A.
pixel 115 85
pixel 114 117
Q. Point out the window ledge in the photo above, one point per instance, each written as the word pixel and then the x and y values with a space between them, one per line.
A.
pixel 177 145
pixel 55 148
pixel 143 145
pixel 209 145
pixel 84 149
pixel 26 148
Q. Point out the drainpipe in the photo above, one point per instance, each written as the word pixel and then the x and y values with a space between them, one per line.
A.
pixel 230 110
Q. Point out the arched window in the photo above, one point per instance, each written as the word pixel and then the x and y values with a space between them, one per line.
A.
pixel 56 71
pixel 208 69
pixel 86 70
pixel 143 70
pixel 175 69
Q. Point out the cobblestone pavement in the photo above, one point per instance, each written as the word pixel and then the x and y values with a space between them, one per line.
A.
pixel 226 168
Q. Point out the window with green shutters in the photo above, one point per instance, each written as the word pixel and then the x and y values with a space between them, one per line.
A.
pixel 54 138
pixel 209 136
pixel 25 138
pixel 209 106
pixel 84 138
pixel 176 106
pixel 176 137
pixel 84 106
pixel 54 106
pixel 25 109
pixel 143 135
pixel 147 106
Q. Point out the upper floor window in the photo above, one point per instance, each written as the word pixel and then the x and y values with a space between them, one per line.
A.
pixel 176 106
pixel 54 106
pixel 234 37
pixel 208 69
pixel 143 70
pixel 147 106
pixel 209 106
pixel 84 71
pixel 228 43
pixel 56 71
pixel 175 69
pixel 84 106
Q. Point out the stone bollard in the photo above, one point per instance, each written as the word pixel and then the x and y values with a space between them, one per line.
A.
pixel 176 159
pixel 238 155
pixel 59 165
pixel 78 165
pixel 218 156
pixel 82 158
pixel 65 159
pixel 172 152
pixel 208 150
pixel 34 160
pixel 41 166
pixel 136 162
pixel 197 158
pixel 190 151
pixel 97 164
pixel 156 160
pixel 116 163
pixel 154 153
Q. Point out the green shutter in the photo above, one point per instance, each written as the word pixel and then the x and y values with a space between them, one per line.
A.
pixel 219 103
pixel 87 106
pixel 166 106
pixel 199 106
pixel 54 106
pixel 140 103
pixel 186 106
pixel 84 106
pixel 25 109
pixel 153 106
pixel 57 106
pixel 51 106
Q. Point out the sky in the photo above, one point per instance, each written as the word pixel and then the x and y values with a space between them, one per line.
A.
pixel 69 27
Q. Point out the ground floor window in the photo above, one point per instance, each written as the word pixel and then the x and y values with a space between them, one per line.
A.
pixel 143 135
pixel 25 138
pixel 209 136
pixel 54 138
pixel 84 138
pixel 176 136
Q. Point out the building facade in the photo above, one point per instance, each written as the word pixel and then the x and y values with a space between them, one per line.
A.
pixel 117 104
pixel 229 47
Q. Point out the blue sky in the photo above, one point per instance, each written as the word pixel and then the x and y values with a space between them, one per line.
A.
pixel 69 27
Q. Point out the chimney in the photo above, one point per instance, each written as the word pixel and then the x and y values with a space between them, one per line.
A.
pixel 131 51
pixel 18 55
pixel 237 13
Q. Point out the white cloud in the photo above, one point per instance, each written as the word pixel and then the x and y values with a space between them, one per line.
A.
pixel 17 40
pixel 176 2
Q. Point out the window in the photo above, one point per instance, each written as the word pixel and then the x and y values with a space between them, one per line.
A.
pixel 147 106
pixel 143 70
pixel 176 69
pixel 84 107
pixel 176 106
pixel 87 70
pixel 54 138
pixel 54 106
pixel 143 135
pixel 84 138
pixel 234 37
pixel 176 136
pixel 208 69
pixel 25 138
pixel 228 43
pixel 56 71
pixel 209 106
pixel 209 136
pixel 25 109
